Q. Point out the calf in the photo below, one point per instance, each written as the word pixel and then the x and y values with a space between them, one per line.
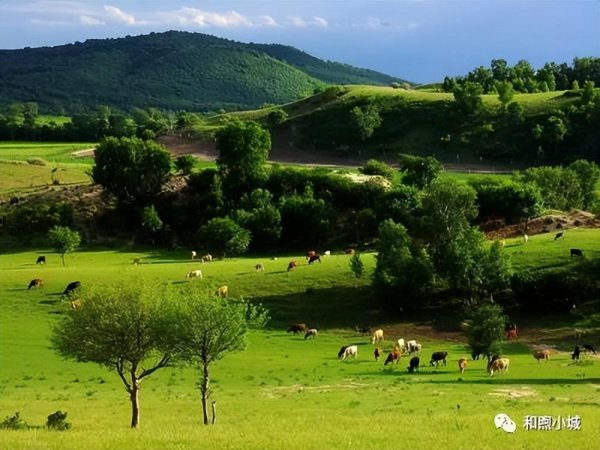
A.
pixel 377 353
pixel 312 333
pixel 576 353
pixel 41 260
pixel 71 287
pixel 413 364
pixel 310 254
pixel 207 258
pixel 348 351
pixel 363 330
pixel 314 259
pixel 194 254
pixel 223 291
pixel 194 274
pixel 576 252
pixel 462 364
pixel 292 265
pixel 259 268
pixel 377 336
pixel 436 357
pixel 393 356
pixel 297 328
pixel 541 354
pixel 589 348
pixel 497 366
pixel 36 283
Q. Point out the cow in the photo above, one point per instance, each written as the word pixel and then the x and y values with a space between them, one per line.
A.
pixel 207 258
pixel 194 254
pixel 223 291
pixel 194 274
pixel 436 357
pixel 576 353
pixel 41 260
pixel 349 251
pixel 327 253
pixel 541 354
pixel 36 283
pixel 576 252
pixel 589 348
pixel 312 333
pixel 377 353
pixel 413 364
pixel 413 347
pixel 292 265
pixel 314 258
pixel 525 238
pixel 394 355
pixel 259 267
pixel 348 351
pixel 377 336
pixel 71 287
pixel 75 304
pixel 511 331
pixel 462 364
pixel 499 365
pixel 559 235
pixel 310 254
pixel 297 328
pixel 363 330
pixel 401 344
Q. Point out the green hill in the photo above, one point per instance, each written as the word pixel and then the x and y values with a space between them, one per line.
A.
pixel 172 70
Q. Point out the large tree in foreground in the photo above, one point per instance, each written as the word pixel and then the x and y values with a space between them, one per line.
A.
pixel 209 328
pixel 485 329
pixel 120 328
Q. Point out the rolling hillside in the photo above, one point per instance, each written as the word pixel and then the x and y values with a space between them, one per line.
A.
pixel 172 70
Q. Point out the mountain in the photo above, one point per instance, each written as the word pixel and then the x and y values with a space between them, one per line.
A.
pixel 173 70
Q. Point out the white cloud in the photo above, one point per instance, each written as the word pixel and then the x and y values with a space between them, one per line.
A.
pixel 378 24
pixel 268 21
pixel 90 21
pixel 195 16
pixel 298 21
pixel 119 15
pixel 319 22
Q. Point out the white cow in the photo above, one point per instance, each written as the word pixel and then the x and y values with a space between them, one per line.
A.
pixel 194 274
pixel 401 344
pixel 377 336
pixel 347 352
pixel 413 347
pixel 327 253
pixel 193 254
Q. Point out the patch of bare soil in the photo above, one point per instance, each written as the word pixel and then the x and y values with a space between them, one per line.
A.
pixel 514 393
pixel 282 391
pixel 83 153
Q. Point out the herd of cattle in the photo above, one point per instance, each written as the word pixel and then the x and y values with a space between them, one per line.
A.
pixel 496 363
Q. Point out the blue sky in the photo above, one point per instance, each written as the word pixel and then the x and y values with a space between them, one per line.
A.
pixel 419 40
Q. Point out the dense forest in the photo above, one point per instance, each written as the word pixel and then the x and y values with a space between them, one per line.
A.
pixel 172 70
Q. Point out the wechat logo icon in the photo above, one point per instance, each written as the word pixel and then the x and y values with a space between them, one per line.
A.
pixel 503 421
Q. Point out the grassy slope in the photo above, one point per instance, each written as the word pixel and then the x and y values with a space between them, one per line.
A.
pixel 281 383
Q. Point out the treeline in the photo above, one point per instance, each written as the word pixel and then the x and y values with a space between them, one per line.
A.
pixel 524 78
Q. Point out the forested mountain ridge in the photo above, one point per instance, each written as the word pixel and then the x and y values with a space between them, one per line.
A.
pixel 172 70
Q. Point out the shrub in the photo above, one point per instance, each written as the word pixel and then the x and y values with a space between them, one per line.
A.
pixel 374 167
pixel 56 421
pixel 185 164
pixel 223 235
pixel 14 422
pixel 36 161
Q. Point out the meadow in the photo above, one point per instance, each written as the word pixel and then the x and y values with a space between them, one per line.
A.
pixel 283 391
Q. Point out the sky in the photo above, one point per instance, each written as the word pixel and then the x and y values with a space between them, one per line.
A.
pixel 417 40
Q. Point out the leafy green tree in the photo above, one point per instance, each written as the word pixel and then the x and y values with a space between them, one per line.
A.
pixel 500 70
pixel 496 269
pixel 401 204
pixel 357 266
pixel 276 118
pixel 260 217
pixel 467 97
pixel 131 169
pixel 118 327
pixel 575 85
pixel 305 220
pixel 588 174
pixel 485 329
pixel 505 92
pixel 560 187
pixel 224 236
pixel 366 120
pixel 151 220
pixel 588 92
pixel 418 171
pixel 374 167
pixel 185 164
pixel 64 240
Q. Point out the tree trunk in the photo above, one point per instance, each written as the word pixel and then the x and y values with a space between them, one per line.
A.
pixel 204 391
pixel 63 259
pixel 135 402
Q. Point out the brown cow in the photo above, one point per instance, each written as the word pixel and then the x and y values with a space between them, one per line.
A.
pixel 314 258
pixel 310 254
pixel 223 291
pixel 36 283
pixel 292 265
pixel 297 328
pixel 349 251
pixel 462 364
pixel 393 356
pixel 541 354
pixel 499 365
pixel 377 353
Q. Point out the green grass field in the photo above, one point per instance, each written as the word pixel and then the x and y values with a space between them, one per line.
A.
pixel 283 391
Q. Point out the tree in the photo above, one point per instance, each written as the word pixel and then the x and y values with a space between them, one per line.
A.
pixel 151 221
pixel 357 266
pixel 131 169
pixel 276 118
pixel 467 97
pixel 210 328
pixel 588 92
pixel 374 167
pixel 505 92
pixel 64 240
pixel 366 120
pixel 588 174
pixel 243 149
pixel 485 329
pixel 560 187
pixel 418 171
pixel 224 236
pixel 119 327
pixel 185 164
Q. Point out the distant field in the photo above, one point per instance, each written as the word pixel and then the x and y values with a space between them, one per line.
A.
pixel 59 120
pixel 51 152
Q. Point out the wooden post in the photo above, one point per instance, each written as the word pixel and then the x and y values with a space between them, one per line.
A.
pixel 214 412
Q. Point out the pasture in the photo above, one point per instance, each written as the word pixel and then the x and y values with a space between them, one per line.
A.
pixel 283 391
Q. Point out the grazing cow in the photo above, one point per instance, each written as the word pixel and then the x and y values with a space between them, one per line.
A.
pixel 71 287
pixel 36 283
pixel 377 336
pixel 327 253
pixel 41 260
pixel 292 265
pixel 393 356
pixel 76 304
pixel 348 351
pixel 310 254
pixel 312 333
pixel 559 235
pixel 525 238
pixel 576 252
pixel 378 352
pixel 541 354
pixel 462 364
pixel 436 357
pixel 349 251
pixel 297 328
pixel 194 254
pixel 413 364
pixel 194 274
pixel 223 291
pixel 413 347
pixel 401 344
pixel 576 353
pixel 314 258
pixel 206 258
pixel 499 365
pixel 363 330
pixel 589 348
pixel 259 267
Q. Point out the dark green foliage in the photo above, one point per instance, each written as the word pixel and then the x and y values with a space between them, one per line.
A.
pixel 14 423
pixel 276 118
pixel 560 187
pixel 150 219
pixel 400 204
pixel 365 120
pixel 243 149
pixel 57 421
pixel 588 174
pixel 357 266
pixel 35 218
pixel 374 167
pixel 418 171
pixel 505 92
pixel 485 329
pixel 223 236
pixel 261 218
pixel 131 169
pixel 185 164
pixel 467 97
pixel 305 219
